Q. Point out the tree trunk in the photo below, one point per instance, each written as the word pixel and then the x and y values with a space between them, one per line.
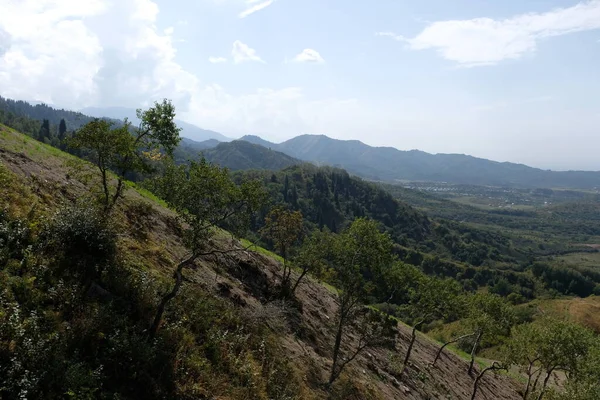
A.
pixel 304 272
pixel 545 385
pixel 169 296
pixel 494 366
pixel 439 353
pixel 530 375
pixel 413 337
pixel 118 192
pixel 106 192
pixel 473 351
pixel 336 351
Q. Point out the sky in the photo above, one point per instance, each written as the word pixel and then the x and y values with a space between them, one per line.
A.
pixel 510 80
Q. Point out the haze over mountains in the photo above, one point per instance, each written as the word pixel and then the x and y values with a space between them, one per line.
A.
pixel 374 163
pixel 187 130
pixel 390 164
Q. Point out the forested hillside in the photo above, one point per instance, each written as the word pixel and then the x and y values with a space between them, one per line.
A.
pixel 242 155
pixel 82 285
pixel 160 288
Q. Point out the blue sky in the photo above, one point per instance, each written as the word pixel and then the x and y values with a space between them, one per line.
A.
pixel 506 80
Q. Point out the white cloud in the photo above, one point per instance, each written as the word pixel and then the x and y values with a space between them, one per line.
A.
pixel 485 41
pixel 392 35
pixel 241 52
pixel 277 113
pixel 45 47
pixel 309 55
pixel 217 60
pixel 110 53
pixel 254 7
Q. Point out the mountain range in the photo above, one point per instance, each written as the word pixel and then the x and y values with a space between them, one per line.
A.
pixel 393 165
pixel 386 164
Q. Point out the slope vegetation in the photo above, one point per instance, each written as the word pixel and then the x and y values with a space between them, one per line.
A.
pixel 224 338
pixel 242 155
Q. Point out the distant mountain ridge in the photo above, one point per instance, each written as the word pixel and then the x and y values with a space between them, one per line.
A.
pixel 393 165
pixel 374 163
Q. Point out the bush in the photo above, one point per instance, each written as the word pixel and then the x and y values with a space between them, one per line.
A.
pixel 82 240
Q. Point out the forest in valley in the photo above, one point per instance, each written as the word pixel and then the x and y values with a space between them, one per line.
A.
pixel 102 295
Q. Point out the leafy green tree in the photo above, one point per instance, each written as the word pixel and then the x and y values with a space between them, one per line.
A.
pixel 108 149
pixel 430 299
pixel 490 317
pixel 206 199
pixel 549 345
pixel 62 129
pixel 284 228
pixel 312 256
pixel 125 150
pixel 44 132
pixel 358 255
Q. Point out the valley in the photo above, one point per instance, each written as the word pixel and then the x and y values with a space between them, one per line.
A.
pixel 269 249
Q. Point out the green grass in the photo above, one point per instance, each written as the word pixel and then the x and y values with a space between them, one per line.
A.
pixel 146 194
pixel 580 259
pixel 261 250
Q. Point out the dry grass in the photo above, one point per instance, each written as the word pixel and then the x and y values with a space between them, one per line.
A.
pixel 584 311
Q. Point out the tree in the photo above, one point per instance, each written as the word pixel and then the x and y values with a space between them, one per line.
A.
pixel 585 385
pixel 108 149
pixel 44 131
pixel 62 129
pixel 358 255
pixel 496 366
pixel 206 199
pixel 546 346
pixel 430 299
pixel 125 152
pixel 489 317
pixel 312 255
pixel 284 228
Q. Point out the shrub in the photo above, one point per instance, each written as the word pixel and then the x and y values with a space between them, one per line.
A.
pixel 82 240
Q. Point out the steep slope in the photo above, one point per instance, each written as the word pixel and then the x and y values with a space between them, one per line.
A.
pixel 390 164
pixel 221 341
pixel 242 155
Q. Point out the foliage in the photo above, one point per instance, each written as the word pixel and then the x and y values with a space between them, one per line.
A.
pixel 283 228
pixel 82 241
pixel 123 153
pixel 205 199
pixel 490 317
pixel 546 346
pixel 312 256
pixel 59 340
pixel 242 155
pixel 110 149
pixel 358 256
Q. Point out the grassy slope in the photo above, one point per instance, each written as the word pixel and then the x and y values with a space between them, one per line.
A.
pixel 37 179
